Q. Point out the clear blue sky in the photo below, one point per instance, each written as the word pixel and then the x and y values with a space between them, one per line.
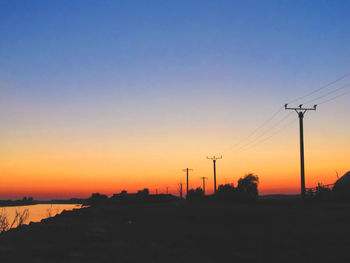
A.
pixel 143 54
pixel 150 68
pixel 63 49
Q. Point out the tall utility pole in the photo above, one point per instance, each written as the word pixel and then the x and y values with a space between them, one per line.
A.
pixel 214 158
pixel 186 170
pixel 203 178
pixel 301 112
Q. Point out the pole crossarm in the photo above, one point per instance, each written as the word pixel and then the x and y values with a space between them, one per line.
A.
pixel 214 157
pixel 300 108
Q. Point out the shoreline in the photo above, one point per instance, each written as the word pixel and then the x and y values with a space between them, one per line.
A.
pixel 184 232
pixel 10 203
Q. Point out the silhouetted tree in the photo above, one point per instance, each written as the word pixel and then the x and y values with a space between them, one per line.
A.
pixel 323 193
pixel 143 193
pixel 320 193
pixel 27 200
pixel 226 192
pixel 248 187
pixel 195 194
pixel 97 198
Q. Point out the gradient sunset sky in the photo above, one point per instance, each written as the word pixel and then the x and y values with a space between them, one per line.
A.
pixel 101 96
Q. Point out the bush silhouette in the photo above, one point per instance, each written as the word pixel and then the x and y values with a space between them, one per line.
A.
pixel 97 198
pixel 320 193
pixel 248 187
pixel 195 194
pixel 143 193
pixel 226 192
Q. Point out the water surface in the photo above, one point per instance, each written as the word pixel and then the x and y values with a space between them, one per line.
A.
pixel 38 212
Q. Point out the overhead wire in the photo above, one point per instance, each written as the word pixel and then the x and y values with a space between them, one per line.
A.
pixel 273 116
pixel 328 93
pixel 269 137
pixel 321 88
pixel 336 97
pixel 267 131
pixel 263 124
pixel 322 102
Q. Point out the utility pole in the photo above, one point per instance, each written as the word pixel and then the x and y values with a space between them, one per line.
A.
pixel 301 112
pixel 186 170
pixel 180 189
pixel 214 158
pixel 203 178
pixel 167 190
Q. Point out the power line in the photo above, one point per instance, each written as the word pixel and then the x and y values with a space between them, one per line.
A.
pixel 267 131
pixel 336 97
pixel 288 124
pixel 324 95
pixel 328 93
pixel 272 135
pixel 256 129
pixel 263 124
pixel 321 88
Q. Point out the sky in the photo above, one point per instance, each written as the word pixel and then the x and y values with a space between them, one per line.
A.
pixel 102 96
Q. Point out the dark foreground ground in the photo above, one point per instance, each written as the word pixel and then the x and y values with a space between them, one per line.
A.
pixel 186 232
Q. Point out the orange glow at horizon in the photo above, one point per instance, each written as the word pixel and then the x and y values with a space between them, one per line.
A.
pixel 66 175
pixel 76 166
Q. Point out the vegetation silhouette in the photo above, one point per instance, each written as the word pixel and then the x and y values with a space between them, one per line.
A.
pixel 246 190
pixel 195 194
pixel 248 187
pixel 97 198
pixel 320 193
pixel 19 219
pixel 340 192
pixel 143 193
pixel 25 201
pixel 164 228
pixel 142 196
pixel 227 192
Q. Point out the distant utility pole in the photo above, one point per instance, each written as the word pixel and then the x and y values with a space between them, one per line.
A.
pixel 214 158
pixel 180 189
pixel 167 190
pixel 186 170
pixel 203 178
pixel 301 112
